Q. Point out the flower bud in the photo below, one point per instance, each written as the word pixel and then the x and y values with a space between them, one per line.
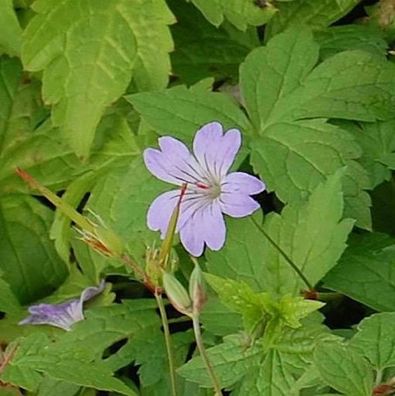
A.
pixel 197 290
pixel 177 294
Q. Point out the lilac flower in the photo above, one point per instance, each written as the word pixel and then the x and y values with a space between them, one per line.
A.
pixel 211 191
pixel 62 315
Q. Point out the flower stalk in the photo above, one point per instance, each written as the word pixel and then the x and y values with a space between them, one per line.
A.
pixel 169 346
pixel 204 355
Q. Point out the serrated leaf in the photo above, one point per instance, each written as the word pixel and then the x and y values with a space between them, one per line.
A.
pixel 181 112
pixel 10 31
pixel 311 233
pixel 285 362
pixel 281 60
pixel 349 85
pixel 270 378
pixel 314 13
pixel 24 377
pixel 375 340
pixel 240 13
pixel 350 37
pixel 293 158
pixel 240 298
pixel 230 361
pixel 366 271
pixel 28 259
pixel 343 369
pixel 73 355
pixel 203 50
pixel 80 87
pixel 377 141
pixel 150 353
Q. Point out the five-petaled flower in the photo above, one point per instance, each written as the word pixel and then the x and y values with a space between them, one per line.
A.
pixel 211 191
pixel 62 315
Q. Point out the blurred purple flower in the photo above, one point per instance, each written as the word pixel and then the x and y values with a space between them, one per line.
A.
pixel 62 315
pixel 211 191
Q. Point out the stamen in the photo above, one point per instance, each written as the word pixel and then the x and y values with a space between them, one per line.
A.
pixel 202 185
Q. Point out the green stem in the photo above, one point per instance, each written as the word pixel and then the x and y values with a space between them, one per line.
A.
pixel 203 354
pixel 327 297
pixel 169 348
pixel 285 256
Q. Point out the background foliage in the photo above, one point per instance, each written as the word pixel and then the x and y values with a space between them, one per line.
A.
pixel 87 85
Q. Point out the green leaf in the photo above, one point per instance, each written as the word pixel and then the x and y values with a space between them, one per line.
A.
pixel 375 340
pixel 181 112
pixel 203 50
pixel 314 13
pixel 366 271
pixel 261 310
pixel 8 302
pixel 271 378
pixel 25 377
pixel 230 361
pixel 350 37
pixel 10 31
pixel 80 87
pixel 349 85
pixel 149 352
pixel 281 61
pixel 293 158
pixel 312 234
pixel 50 387
pixel 131 184
pixel 240 298
pixel 285 362
pixel 343 369
pixel 218 319
pixel 28 259
pixel 39 150
pixel 378 144
pixel 73 356
pixel 19 103
pixel 240 13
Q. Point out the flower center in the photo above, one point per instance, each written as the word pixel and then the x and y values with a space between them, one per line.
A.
pixel 213 191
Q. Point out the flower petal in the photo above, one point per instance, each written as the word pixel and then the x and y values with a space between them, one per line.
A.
pixel 214 150
pixel 173 163
pixel 238 204
pixel 62 315
pixel 205 225
pixel 92 291
pixel 240 182
pixel 59 315
pixel 159 213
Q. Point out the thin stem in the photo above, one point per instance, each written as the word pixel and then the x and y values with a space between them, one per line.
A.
pixel 203 354
pixel 169 348
pixel 285 256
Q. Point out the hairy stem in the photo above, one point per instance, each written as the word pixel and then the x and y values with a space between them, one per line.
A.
pixel 169 348
pixel 285 256
pixel 203 354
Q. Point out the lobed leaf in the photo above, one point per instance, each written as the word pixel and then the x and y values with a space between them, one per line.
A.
pixel 80 87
